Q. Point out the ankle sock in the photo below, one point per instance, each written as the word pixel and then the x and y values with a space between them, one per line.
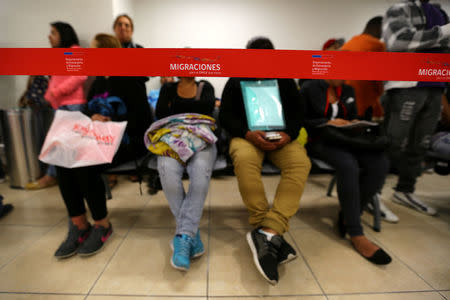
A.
pixel 268 234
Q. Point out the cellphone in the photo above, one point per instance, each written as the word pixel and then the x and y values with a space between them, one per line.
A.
pixel 273 136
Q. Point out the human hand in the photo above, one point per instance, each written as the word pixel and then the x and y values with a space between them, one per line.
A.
pixel 257 138
pixel 338 122
pixel 101 118
pixel 285 139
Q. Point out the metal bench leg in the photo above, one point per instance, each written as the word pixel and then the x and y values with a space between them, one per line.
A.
pixel 376 214
pixel 331 186
pixel 107 188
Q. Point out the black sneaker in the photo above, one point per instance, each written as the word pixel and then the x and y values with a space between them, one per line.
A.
pixel 94 243
pixel 5 209
pixel 265 254
pixel 75 237
pixel 286 253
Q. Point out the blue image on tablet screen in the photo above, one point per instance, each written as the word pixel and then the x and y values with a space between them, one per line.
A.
pixel 263 105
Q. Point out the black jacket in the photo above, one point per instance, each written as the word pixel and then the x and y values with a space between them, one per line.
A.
pixel 169 103
pixel 232 109
pixel 133 93
pixel 314 99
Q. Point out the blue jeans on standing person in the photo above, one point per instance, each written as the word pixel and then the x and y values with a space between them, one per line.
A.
pixel 187 208
pixel 51 170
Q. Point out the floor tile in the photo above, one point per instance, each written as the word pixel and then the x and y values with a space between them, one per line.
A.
pixel 40 297
pixel 233 273
pixel 14 239
pixel 339 268
pixel 37 271
pixel 37 208
pixel 393 296
pixel 142 267
pixel 446 294
pixel 94 297
pixel 273 298
pixel 425 249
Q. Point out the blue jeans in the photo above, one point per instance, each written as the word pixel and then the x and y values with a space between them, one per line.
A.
pixel 187 208
pixel 51 170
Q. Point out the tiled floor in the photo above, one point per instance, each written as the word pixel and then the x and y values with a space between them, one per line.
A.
pixel 135 264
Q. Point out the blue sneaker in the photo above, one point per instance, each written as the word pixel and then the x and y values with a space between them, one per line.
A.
pixel 197 249
pixel 182 245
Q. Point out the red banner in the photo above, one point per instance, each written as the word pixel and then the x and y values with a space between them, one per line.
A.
pixel 226 63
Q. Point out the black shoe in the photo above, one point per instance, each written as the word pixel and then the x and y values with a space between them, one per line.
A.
pixel 379 257
pixel 75 238
pixel 341 226
pixel 94 243
pixel 286 253
pixel 6 209
pixel 265 254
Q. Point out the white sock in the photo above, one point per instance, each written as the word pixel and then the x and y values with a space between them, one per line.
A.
pixel 268 234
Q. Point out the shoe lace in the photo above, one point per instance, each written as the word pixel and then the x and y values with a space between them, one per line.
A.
pixel 271 247
pixel 185 246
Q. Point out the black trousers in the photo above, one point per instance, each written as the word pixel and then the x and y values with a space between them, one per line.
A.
pixel 360 174
pixel 79 184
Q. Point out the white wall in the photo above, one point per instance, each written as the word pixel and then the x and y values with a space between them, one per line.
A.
pixel 291 24
pixel 26 23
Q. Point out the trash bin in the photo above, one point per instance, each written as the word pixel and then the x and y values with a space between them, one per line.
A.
pixel 21 139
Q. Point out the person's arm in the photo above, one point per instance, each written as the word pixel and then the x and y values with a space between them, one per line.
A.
pixel 293 111
pixel 400 35
pixel 231 117
pixel 163 106
pixel 310 96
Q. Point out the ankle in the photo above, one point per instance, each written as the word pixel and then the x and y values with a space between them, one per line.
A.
pixel 269 230
pixel 80 222
pixel 103 222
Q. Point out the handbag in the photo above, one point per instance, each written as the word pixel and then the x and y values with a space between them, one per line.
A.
pixel 363 138
pixel 74 140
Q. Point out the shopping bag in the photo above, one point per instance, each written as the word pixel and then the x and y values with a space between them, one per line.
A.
pixel 74 140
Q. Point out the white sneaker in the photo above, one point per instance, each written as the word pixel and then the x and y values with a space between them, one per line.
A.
pixel 411 200
pixel 385 212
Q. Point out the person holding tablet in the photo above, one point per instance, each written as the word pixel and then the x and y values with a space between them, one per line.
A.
pixel 264 119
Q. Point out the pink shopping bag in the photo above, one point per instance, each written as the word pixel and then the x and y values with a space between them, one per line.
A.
pixel 74 140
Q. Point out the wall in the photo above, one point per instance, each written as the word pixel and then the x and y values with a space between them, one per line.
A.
pixel 291 24
pixel 25 23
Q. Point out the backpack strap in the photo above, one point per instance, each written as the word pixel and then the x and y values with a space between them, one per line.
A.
pixel 199 90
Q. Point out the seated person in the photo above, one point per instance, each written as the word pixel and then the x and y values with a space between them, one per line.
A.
pixel 77 184
pixel 186 96
pixel 360 173
pixel 248 150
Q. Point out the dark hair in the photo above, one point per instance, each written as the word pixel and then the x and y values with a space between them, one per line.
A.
pixel 260 42
pixel 125 16
pixel 373 27
pixel 67 34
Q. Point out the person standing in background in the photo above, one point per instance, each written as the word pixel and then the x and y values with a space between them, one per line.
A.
pixel 412 108
pixel 63 92
pixel 367 92
pixel 123 29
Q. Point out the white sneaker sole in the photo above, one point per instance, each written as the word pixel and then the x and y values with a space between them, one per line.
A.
pixel 255 259
pixel 290 258
pixel 400 201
